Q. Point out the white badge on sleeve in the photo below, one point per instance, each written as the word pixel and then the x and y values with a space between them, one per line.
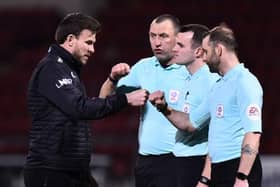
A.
pixel 253 112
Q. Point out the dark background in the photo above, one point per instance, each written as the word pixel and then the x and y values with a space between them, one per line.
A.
pixel 26 32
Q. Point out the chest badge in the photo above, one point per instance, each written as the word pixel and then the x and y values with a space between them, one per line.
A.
pixel 220 111
pixel 174 96
pixel 186 108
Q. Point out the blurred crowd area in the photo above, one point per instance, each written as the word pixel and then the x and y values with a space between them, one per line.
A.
pixel 26 33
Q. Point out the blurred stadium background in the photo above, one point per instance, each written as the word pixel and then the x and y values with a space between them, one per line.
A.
pixel 27 29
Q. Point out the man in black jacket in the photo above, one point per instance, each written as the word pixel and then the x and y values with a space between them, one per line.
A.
pixel 60 136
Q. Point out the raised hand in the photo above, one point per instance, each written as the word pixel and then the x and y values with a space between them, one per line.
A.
pixel 138 97
pixel 119 70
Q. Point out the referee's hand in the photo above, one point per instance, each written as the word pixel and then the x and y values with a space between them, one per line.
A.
pixel 157 99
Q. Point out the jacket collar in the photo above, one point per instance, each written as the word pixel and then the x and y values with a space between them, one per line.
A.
pixel 65 57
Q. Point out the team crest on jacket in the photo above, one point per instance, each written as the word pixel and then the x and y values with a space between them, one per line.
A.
pixel 174 96
pixel 220 111
pixel 253 112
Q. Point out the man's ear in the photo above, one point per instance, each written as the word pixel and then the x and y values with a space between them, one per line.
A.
pixel 198 52
pixel 70 39
pixel 219 49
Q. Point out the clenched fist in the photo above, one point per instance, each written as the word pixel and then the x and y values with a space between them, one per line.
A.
pixel 158 100
pixel 138 97
pixel 119 70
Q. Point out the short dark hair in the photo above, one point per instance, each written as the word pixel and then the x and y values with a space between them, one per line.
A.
pixel 75 23
pixel 224 35
pixel 199 31
pixel 175 21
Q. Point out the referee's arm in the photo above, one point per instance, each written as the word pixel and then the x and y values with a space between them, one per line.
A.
pixel 249 98
pixel 249 151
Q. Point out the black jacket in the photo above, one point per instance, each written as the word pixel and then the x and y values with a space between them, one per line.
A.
pixel 60 136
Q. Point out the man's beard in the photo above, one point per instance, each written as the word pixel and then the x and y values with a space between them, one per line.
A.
pixel 213 68
pixel 214 63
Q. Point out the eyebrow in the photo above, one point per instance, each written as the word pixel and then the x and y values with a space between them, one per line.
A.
pixel 160 34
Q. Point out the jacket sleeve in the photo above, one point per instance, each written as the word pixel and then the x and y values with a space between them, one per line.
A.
pixel 58 86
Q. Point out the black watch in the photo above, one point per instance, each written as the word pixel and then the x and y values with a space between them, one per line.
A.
pixel 241 176
pixel 205 180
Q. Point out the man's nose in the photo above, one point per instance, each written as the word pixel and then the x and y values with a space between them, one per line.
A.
pixel 91 49
pixel 157 41
pixel 175 49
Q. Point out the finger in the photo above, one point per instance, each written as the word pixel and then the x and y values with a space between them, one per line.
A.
pixel 151 98
pixel 146 91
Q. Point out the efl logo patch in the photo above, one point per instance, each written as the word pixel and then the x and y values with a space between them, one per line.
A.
pixel 253 112
pixel 220 111
pixel 174 96
pixel 186 108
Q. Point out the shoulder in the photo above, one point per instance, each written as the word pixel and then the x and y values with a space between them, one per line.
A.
pixel 246 77
pixel 144 63
pixel 52 65
pixel 248 81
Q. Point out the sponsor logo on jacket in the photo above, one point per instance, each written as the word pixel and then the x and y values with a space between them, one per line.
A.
pixel 63 82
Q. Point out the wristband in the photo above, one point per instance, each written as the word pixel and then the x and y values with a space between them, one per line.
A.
pixel 205 180
pixel 241 176
pixel 113 80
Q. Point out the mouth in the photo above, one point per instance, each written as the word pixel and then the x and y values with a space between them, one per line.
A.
pixel 87 56
pixel 158 51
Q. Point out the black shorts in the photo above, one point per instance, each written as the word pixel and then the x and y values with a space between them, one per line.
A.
pixel 168 171
pixel 224 174
pixel 188 170
pixel 155 171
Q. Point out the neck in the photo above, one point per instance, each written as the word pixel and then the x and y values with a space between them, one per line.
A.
pixel 195 66
pixel 228 61
pixel 66 47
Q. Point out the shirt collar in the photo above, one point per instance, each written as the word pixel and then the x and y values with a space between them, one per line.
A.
pixel 172 66
pixel 204 69
pixel 233 71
